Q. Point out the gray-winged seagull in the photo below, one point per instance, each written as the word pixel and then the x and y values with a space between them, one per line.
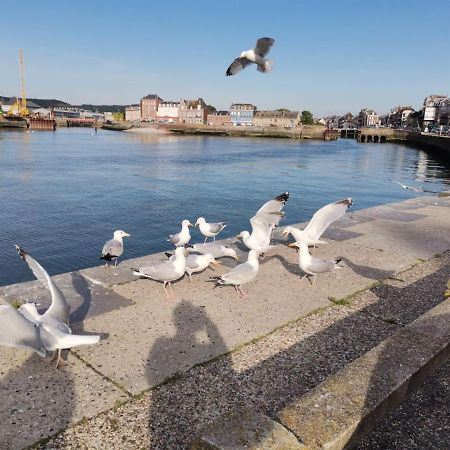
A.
pixel 253 56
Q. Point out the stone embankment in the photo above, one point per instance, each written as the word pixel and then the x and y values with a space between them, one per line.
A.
pixel 287 367
pixel 302 132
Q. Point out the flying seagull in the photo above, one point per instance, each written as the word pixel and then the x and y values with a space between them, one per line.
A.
pixel 216 250
pixel 167 271
pixel 412 188
pixel 253 56
pixel 263 223
pixel 49 332
pixel 183 237
pixel 114 247
pixel 312 265
pixel 320 221
pixel 241 274
pixel 209 229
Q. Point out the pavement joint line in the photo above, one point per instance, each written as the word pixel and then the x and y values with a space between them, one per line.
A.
pixel 102 375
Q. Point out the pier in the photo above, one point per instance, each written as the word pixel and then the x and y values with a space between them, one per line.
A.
pixel 318 364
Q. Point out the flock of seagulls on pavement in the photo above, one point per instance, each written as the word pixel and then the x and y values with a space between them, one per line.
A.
pixel 46 332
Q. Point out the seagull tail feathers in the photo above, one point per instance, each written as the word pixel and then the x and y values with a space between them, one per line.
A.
pixel 266 67
pixel 168 254
pixel 22 253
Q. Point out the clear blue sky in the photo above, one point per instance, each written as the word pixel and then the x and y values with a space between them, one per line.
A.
pixel 330 56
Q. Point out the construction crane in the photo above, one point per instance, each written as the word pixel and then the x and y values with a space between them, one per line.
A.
pixel 19 108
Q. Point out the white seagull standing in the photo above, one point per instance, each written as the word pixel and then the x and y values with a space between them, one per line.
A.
pixel 263 223
pixel 320 221
pixel 312 265
pixel 114 247
pixel 183 237
pixel 209 229
pixel 253 56
pixel 167 271
pixel 196 263
pixel 42 333
pixel 241 274
pixel 216 250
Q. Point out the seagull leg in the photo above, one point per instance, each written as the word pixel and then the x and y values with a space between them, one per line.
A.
pixel 165 290
pixel 214 239
pixel 171 291
pixel 115 262
pixel 243 294
pixel 206 238
pixel 57 357
pixel 190 277
pixel 106 264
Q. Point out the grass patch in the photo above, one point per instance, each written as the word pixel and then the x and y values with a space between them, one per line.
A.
pixel 340 301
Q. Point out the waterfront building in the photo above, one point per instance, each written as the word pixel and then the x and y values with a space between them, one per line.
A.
pixel 241 114
pixel 149 107
pixel 398 117
pixel 368 118
pixel 133 113
pixel 168 112
pixel 192 112
pixel 444 112
pixel 43 113
pixel 66 113
pixel 279 119
pixel 431 109
pixel 218 119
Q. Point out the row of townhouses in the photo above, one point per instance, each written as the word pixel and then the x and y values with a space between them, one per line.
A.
pixel 193 112
pixel 435 113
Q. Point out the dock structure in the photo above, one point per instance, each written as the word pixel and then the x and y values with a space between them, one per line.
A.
pixel 43 124
pixel 290 366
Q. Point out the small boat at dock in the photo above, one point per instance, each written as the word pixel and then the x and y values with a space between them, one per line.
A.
pixel 117 126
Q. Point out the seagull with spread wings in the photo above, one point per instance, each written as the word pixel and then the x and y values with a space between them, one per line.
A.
pixel 253 56
pixel 320 221
pixel 263 223
pixel 27 328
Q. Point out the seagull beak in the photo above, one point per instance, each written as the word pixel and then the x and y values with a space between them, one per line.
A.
pixel 284 234
pixel 237 258
pixel 196 224
pixel 293 245
pixel 238 237
pixel 190 224
pixel 127 234
pixel 216 263
pixel 186 252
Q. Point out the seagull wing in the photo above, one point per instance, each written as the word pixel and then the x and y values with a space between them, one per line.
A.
pixel 263 45
pixel 216 227
pixel 56 337
pixel 237 65
pixel 113 248
pixel 59 309
pixel 325 216
pixel 243 273
pixel 262 228
pixel 18 332
pixel 275 205
pixel 160 272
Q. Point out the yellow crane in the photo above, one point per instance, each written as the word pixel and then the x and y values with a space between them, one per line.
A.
pixel 19 108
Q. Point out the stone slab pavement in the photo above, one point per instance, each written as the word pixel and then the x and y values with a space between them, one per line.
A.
pixel 148 339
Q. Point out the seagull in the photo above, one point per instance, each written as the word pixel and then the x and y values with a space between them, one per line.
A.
pixel 412 188
pixel 196 263
pixel 255 55
pixel 320 221
pixel 241 274
pixel 263 223
pixel 49 332
pixel 114 247
pixel 312 265
pixel 167 271
pixel 183 237
pixel 209 229
pixel 216 250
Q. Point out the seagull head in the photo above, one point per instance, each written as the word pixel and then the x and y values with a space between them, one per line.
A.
pixel 121 234
pixel 186 223
pixel 286 231
pixel 199 221
pixel 243 235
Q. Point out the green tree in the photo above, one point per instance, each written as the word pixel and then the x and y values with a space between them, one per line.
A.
pixel 307 118
pixel 211 108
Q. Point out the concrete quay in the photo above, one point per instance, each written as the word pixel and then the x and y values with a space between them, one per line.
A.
pixel 166 370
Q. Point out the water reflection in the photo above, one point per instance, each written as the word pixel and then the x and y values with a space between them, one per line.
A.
pixel 62 194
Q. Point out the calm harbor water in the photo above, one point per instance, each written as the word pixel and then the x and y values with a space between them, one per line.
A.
pixel 63 194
